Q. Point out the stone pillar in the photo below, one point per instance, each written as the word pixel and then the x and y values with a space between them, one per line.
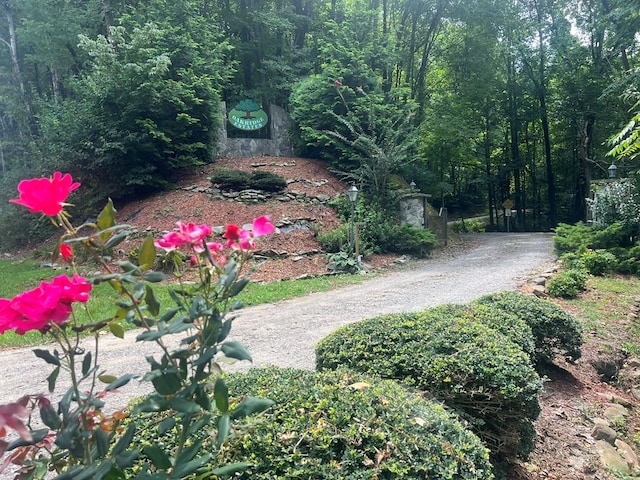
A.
pixel 414 211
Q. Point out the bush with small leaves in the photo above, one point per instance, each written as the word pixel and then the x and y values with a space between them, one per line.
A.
pixel 599 262
pixel 410 240
pixel 472 368
pixel 235 180
pixel 334 240
pixel 556 331
pixel 339 425
pixel 567 283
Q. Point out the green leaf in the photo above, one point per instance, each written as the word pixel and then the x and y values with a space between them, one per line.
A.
pixel 47 356
pixel 86 363
pixel 107 378
pixel 125 440
pixel 167 383
pixel 183 405
pixel 221 395
pixel 147 255
pixel 152 403
pixel 224 427
pixel 36 435
pixel 50 417
pixel 152 302
pixel 116 329
pixel 123 380
pixel 51 379
pixel 115 240
pixel 235 350
pixel 183 470
pixel 106 219
pixel 249 406
pixel 231 469
pixel 129 267
pixel 154 277
pixel 102 442
pixel 190 452
pixel 238 287
pixel 157 456
pixel 166 425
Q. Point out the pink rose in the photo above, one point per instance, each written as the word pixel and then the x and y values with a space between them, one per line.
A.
pixel 45 195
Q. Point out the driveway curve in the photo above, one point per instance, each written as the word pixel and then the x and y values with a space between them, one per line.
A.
pixel 285 333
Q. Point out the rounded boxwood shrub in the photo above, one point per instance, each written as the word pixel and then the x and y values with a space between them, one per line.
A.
pixel 267 181
pixel 599 262
pixel 229 179
pixel 410 240
pixel 567 283
pixel 510 325
pixel 556 331
pixel 471 367
pixel 340 425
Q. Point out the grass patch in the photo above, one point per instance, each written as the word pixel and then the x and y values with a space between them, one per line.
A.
pixel 604 309
pixel 19 276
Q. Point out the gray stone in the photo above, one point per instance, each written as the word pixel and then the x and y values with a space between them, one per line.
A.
pixel 611 459
pixel 615 412
pixel 636 393
pixel 604 432
pixel 625 450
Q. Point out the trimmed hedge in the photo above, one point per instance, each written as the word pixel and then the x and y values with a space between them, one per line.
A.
pixel 229 179
pixel 471 367
pixel 340 425
pixel 510 325
pixel 556 331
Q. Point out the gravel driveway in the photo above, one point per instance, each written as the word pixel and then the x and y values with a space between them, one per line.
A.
pixel 285 333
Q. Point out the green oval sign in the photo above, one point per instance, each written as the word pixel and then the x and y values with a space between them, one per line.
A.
pixel 247 115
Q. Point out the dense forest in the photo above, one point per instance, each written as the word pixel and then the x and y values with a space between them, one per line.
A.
pixel 476 101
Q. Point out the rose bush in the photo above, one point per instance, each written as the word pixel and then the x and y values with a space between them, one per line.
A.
pixel 73 437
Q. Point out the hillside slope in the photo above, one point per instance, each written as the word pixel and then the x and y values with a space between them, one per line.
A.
pixel 292 252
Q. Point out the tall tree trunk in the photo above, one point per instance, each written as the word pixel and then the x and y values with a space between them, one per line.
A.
pixel 17 72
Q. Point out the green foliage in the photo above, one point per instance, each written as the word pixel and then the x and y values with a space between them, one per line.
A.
pixel 407 239
pixel 335 239
pixel 598 262
pixel 230 179
pixel 556 332
pixel 343 262
pixel 267 181
pixel 341 425
pixel 616 202
pixel 567 283
pixel 472 368
pixel 137 115
pixel 469 226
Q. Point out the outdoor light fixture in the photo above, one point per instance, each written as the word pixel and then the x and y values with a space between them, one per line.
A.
pixel 613 170
pixel 412 185
pixel 352 193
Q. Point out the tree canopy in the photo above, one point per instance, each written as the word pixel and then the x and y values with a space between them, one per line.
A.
pixel 477 102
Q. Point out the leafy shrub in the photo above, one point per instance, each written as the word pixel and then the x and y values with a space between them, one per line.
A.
pixel 343 262
pixel 333 241
pixel 555 330
pixel 340 425
pixel 599 262
pixel 407 239
pixel 567 283
pixel 508 324
pixel 229 179
pixel 471 367
pixel 469 226
pixel 571 238
pixel 267 181
pixel 628 260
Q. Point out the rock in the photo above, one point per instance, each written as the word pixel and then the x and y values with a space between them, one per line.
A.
pixel 323 197
pixel 636 393
pixel 622 401
pixel 604 432
pixel 539 290
pixel 625 450
pixel 601 421
pixel 615 412
pixel 611 459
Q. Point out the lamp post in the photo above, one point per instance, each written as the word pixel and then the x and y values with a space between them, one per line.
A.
pixel 352 194
pixel 412 186
pixel 613 170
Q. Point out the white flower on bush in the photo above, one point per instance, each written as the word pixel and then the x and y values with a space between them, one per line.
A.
pixel 616 202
